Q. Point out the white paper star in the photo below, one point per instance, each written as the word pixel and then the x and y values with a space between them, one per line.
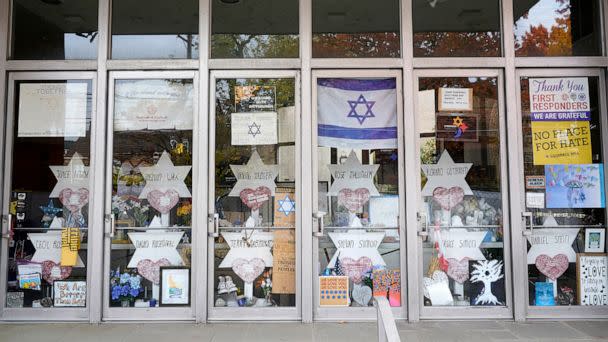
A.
pixel 48 247
pixel 460 243
pixel 355 244
pixel 257 245
pixel 353 175
pixel 155 246
pixel 552 241
pixel 164 176
pixel 72 176
pixel 254 174
pixel 446 174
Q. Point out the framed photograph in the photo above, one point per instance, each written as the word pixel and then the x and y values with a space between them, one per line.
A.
pixel 174 286
pixel 595 239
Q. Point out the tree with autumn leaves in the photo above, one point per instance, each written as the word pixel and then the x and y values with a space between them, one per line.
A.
pixel 542 41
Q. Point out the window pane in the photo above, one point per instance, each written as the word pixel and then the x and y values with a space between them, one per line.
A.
pixel 151 190
pixel 48 30
pixel 154 29
pixel 454 29
pixel 49 192
pixel 358 28
pixel 259 29
pixel 557 28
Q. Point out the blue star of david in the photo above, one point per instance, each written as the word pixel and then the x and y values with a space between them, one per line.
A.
pixel 49 213
pixel 254 129
pixel 368 109
pixel 287 206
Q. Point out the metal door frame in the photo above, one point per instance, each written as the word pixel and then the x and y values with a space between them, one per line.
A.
pixel 523 309
pixel 52 313
pixel 251 313
pixel 358 313
pixel 158 313
pixel 459 312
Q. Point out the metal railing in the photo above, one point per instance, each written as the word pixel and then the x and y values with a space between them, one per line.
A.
pixel 387 329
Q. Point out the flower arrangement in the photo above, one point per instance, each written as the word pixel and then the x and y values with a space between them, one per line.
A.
pixel 132 207
pixel 125 286
pixel 184 212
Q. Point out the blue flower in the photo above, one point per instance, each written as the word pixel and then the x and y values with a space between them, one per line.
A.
pixel 124 278
pixel 115 292
pixel 134 292
pixel 135 282
pixel 124 291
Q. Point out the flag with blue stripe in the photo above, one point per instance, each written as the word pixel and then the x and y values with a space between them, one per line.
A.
pixel 357 113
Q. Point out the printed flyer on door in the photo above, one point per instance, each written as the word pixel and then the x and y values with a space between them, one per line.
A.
pixel 560 115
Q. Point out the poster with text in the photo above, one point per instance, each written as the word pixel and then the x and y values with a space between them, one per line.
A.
pixel 153 104
pixel 284 265
pixel 253 128
pixel 560 114
pixel 575 186
pixel 254 98
pixel 62 105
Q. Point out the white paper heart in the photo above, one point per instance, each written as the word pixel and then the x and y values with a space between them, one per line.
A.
pixel 74 200
pixel 437 277
pixel 362 294
pixel 151 269
pixel 248 270
pixel 458 270
pixel 163 201
pixel 353 200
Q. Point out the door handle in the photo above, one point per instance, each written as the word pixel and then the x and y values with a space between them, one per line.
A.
pixel 318 220
pixel 528 223
pixel 214 219
pixel 109 220
pixel 423 228
pixel 6 226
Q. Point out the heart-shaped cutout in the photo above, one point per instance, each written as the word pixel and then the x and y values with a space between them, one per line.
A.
pixel 163 201
pixel 436 278
pixel 255 199
pixel 448 198
pixel 74 200
pixel 353 200
pixel 356 269
pixel 458 270
pixel 552 267
pixel 151 269
pixel 52 271
pixel 362 294
pixel 248 270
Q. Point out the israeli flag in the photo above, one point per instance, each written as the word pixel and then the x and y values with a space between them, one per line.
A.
pixel 357 113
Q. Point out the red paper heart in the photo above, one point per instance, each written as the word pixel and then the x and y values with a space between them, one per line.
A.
pixel 248 270
pixel 353 200
pixel 47 269
pixel 356 269
pixel 74 200
pixel 254 199
pixel 552 267
pixel 151 269
pixel 448 198
pixel 163 201
pixel 458 270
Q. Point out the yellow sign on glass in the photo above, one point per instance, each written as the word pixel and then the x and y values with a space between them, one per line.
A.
pixel 70 244
pixel 561 142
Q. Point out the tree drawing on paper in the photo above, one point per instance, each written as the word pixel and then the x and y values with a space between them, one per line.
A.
pixel 487 271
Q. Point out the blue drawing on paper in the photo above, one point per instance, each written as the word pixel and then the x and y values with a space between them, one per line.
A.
pixel 575 186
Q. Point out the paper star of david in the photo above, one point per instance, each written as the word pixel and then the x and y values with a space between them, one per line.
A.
pixel 49 212
pixel 254 129
pixel 48 247
pixel 248 244
pixel 164 176
pixel 253 174
pixel 446 174
pixel 353 175
pixel 155 245
pixel 287 205
pixel 368 109
pixel 356 244
pixel 72 176
pixel 460 243
pixel 551 241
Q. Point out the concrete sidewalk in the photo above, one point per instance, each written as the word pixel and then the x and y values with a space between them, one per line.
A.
pixel 486 331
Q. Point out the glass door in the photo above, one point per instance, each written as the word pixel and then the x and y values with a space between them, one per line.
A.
pixel 358 244
pixel 150 231
pixel 48 167
pixel 463 269
pixel 562 193
pixel 254 206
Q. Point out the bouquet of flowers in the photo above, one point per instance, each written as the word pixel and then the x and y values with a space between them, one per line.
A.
pixel 125 286
pixel 184 212
pixel 131 207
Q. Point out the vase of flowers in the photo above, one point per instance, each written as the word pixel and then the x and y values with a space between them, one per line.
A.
pixel 125 287
pixel 266 286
